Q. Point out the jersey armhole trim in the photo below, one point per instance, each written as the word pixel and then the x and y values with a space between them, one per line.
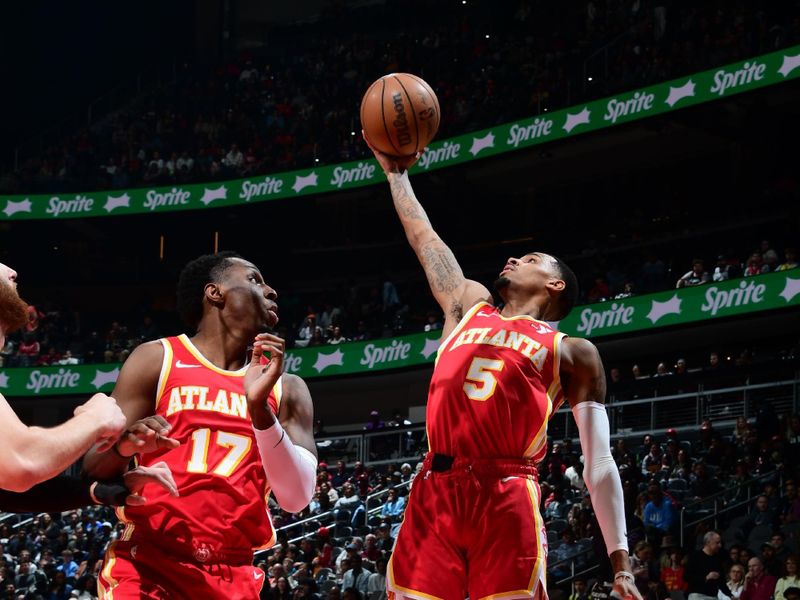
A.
pixel 467 316
pixel 554 392
pixel 166 366
pixel 278 390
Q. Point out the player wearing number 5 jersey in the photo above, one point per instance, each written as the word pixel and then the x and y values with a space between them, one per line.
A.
pixel 237 431
pixel 472 525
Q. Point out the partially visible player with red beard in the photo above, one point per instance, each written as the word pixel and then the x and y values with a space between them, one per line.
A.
pixel 32 455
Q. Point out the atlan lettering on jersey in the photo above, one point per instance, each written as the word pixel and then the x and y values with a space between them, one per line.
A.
pixel 503 338
pixel 196 397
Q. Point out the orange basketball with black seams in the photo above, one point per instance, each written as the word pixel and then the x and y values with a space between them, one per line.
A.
pixel 400 114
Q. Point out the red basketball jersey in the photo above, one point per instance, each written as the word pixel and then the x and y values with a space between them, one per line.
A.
pixel 494 387
pixel 217 468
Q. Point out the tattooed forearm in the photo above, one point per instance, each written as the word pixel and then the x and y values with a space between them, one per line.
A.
pixel 441 267
pixel 407 206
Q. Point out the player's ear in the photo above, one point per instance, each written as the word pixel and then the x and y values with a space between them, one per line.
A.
pixel 213 293
pixel 556 285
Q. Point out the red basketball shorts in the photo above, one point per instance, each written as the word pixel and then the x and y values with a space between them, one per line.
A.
pixel 472 530
pixel 137 570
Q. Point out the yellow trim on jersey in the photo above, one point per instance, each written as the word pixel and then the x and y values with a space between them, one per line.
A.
pixel 393 587
pixel 536 574
pixel 111 558
pixel 541 435
pixel 459 326
pixel 127 533
pixel 274 537
pixel 552 393
pixel 184 339
pixel 166 366
pixel 555 386
pixel 278 389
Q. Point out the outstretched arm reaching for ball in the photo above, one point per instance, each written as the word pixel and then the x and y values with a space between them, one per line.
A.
pixel 584 385
pixel 454 292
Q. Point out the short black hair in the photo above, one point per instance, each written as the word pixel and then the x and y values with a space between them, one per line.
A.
pixel 569 295
pixel 192 281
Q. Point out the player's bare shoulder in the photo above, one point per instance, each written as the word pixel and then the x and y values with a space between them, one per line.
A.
pixel 144 364
pixel 578 353
pixel 582 372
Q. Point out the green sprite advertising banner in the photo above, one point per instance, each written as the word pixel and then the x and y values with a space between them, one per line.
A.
pixel 710 301
pixel 713 84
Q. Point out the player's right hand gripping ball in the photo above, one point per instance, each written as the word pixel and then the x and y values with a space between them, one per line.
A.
pixel 400 114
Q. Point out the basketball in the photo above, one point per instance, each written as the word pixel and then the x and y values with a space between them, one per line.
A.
pixel 400 114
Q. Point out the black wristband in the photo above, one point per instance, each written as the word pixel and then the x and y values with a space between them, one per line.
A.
pixel 111 493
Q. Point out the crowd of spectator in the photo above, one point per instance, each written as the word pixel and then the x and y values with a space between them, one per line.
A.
pixel 295 106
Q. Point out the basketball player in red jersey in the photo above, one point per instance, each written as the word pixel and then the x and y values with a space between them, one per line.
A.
pixel 237 431
pixel 472 525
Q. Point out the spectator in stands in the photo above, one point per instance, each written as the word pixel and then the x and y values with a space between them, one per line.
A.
pixel 704 573
pixel 735 582
pixel 558 506
pixel 340 476
pixel 754 264
pixel 28 350
pixel 385 540
pixel 306 332
pixel 790 503
pixel 357 577
pixel 701 483
pixel 352 593
pixel 770 261
pixel 758 584
pixel 68 359
pixel 349 500
pixel 580 589
pixel 393 507
pixel 336 336
pixel 627 291
pixel 790 261
pixel 657 515
pixel 643 566
pixel 723 270
pixel 790 578
pixel 792 593
pixel 433 322
pixel 574 474
pixel 376 585
pixel 672 576
pixel 697 276
pixel 662 370
pixel 761 514
pixel 771 564
pixel 782 553
pixel 651 463
pixel 374 423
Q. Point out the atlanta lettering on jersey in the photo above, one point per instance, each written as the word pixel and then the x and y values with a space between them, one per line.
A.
pixel 195 397
pixel 503 338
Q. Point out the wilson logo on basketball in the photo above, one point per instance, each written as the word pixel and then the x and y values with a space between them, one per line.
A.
pixel 401 120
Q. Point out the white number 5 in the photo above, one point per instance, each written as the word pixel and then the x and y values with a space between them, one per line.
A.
pixel 481 381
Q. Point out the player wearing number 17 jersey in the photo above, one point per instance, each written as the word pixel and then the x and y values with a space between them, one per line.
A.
pixel 472 525
pixel 237 431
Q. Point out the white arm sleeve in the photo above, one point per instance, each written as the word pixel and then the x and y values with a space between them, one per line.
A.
pixel 291 470
pixel 600 473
